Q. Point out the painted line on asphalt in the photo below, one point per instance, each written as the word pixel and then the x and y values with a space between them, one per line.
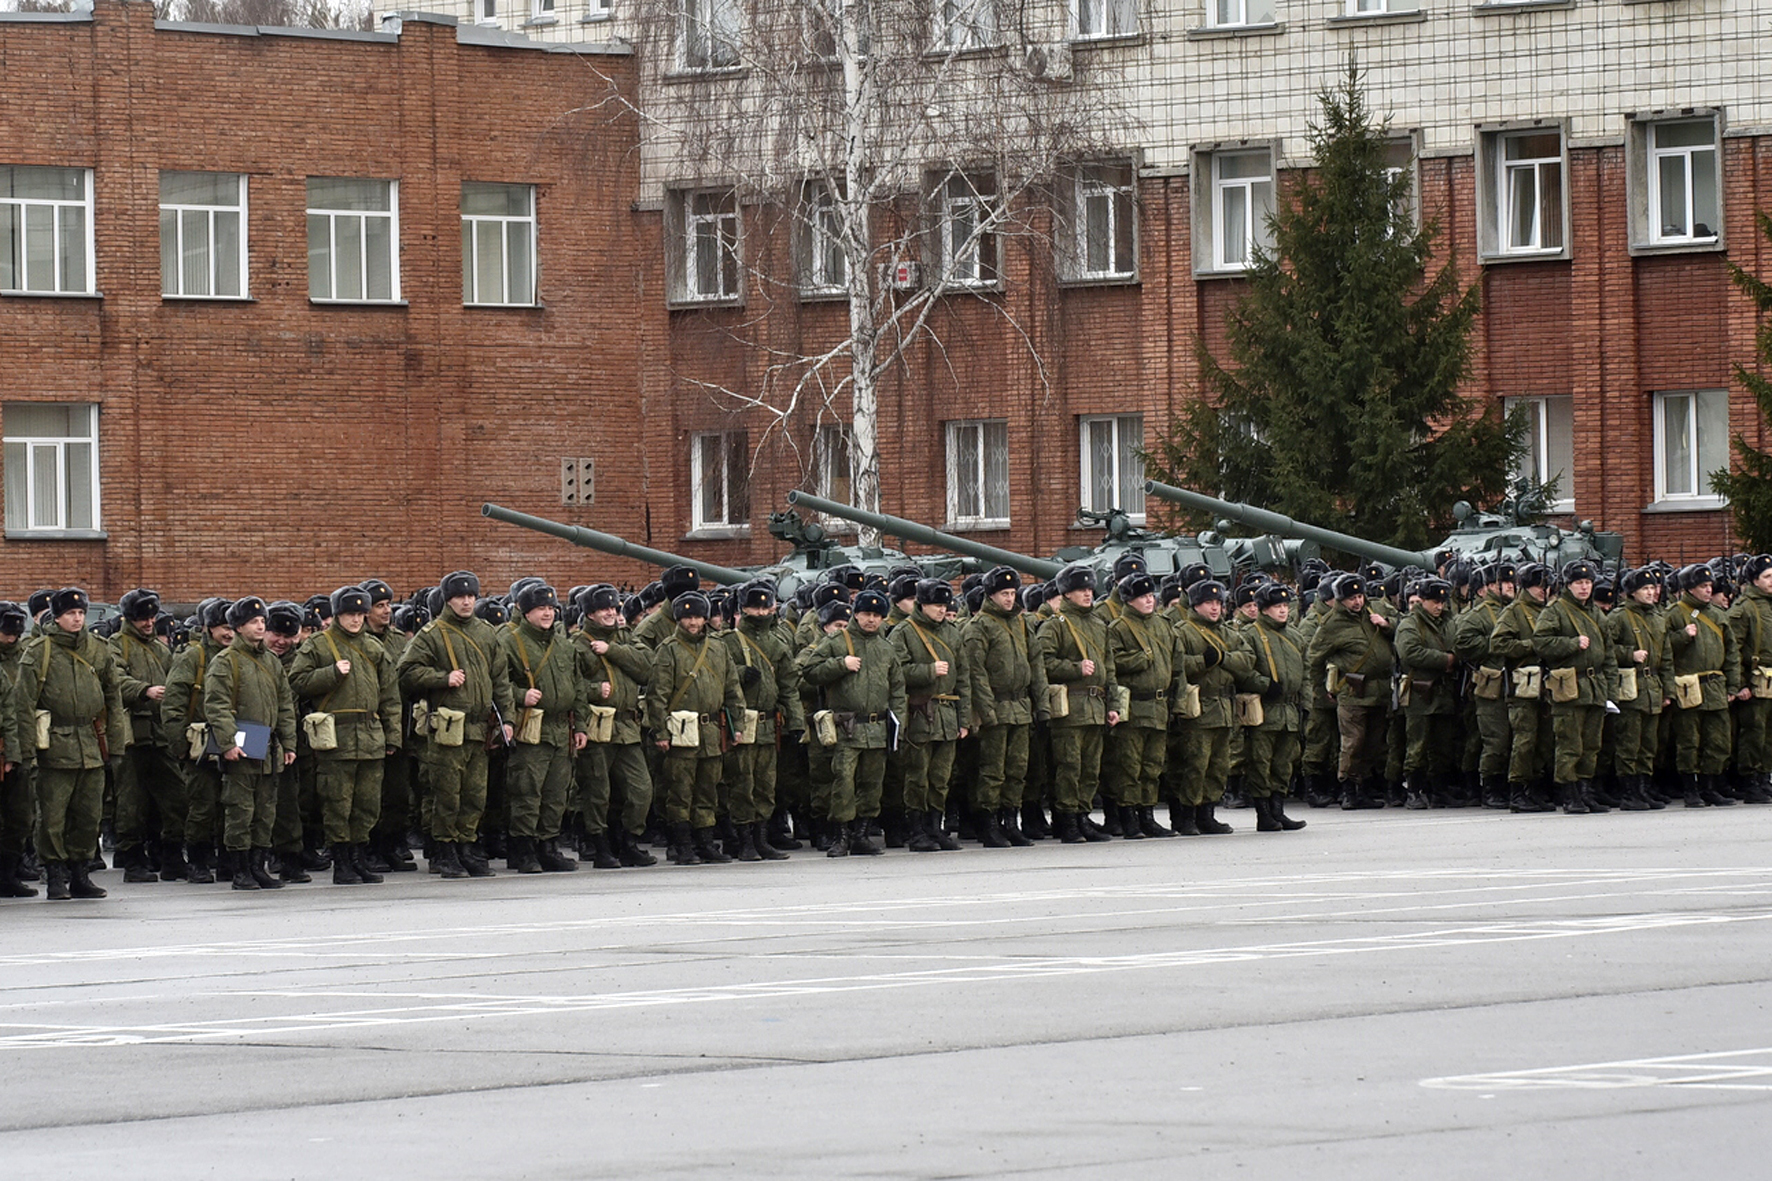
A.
pixel 1719 1071
pixel 431 1008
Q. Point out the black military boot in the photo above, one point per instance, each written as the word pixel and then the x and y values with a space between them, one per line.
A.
pixel 344 870
pixel 1264 820
pixel 1129 827
pixel 1210 825
pixel 746 848
pixel 862 844
pixel 990 832
pixel 1110 818
pixel 237 865
pixel 680 849
pixel 57 873
pixel 1573 802
pixel 1694 795
pixel 1009 820
pixel 1591 796
pixel 201 871
pixel 595 848
pixel 258 863
pixel 922 833
pixel 1646 790
pixel 1495 794
pixel 1147 823
pixel 899 828
pixel 1033 822
pixel 629 852
pixel 1630 796
pixel 520 855
pixel 1092 831
pixel 171 855
pixel 946 841
pixel 710 853
pixel 835 835
pixel 1183 819
pixel 765 847
pixel 358 855
pixel 1276 809
pixel 1415 795
pixel 1350 796
pixel 1233 793
pixel 781 831
pixel 475 860
pixel 1710 787
pixel 10 885
pixel 289 868
pixel 1064 827
pixel 135 865
pixel 547 851
pixel 823 833
pixel 445 860
pixel 492 844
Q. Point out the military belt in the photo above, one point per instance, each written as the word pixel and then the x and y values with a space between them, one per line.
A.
pixel 1150 697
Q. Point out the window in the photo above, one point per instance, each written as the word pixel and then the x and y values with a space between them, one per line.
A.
pixel 1103 242
pixel 51 464
pixel 1550 445
pixel 978 474
pixel 1381 7
pixel 1104 18
pixel 708 35
pixel 827 21
pixel 1523 192
pixel 47 217
pixel 497 244
pixel 1691 442
pixel 1242 202
pixel 541 10
pixel 968 215
pixel 1113 469
pixel 965 24
pixel 720 469
pixel 1399 164
pixel 1683 182
pixel 824 265
pixel 1231 13
pixel 202 235
pixel 706 232
pixel 598 10
pixel 488 11
pixel 833 469
pixel 353 227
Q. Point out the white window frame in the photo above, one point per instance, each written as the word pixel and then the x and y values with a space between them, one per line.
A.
pixel 971 259
pixel 1129 500
pixel 723 220
pixel 982 429
pixel 1092 182
pixel 830 446
pixel 722 443
pixel 824 268
pixel 473 227
pixel 1240 14
pixel 31 208
pixel 1536 463
pixel 1256 214
pixel 34 447
pixel 964 25
pixel 1697 473
pixel 1103 20
pixel 707 35
pixel 488 12
pixel 1656 154
pixel 181 212
pixel 333 217
pixel 541 12
pixel 1499 197
pixel 598 10
pixel 1368 8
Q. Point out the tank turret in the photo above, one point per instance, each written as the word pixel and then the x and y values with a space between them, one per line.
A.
pixel 1284 526
pixel 912 531
pixel 609 543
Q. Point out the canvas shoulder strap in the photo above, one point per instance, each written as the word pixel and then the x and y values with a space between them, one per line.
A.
pixel 694 670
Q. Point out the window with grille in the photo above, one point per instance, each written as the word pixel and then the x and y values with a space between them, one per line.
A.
pixel 1112 466
pixel 978 474
pixel 967 216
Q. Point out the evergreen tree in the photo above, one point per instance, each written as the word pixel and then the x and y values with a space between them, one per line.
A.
pixel 1749 486
pixel 1340 404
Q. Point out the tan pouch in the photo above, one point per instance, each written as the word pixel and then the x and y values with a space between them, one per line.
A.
pixel 600 726
pixel 1688 691
pixel 529 729
pixel 1247 707
pixel 1331 680
pixel 683 727
pixel 1058 701
pixel 1627 684
pixel 1565 686
pixel 1529 682
pixel 824 725
pixel 1486 683
pixel 321 729
pixel 421 717
pixel 197 739
pixel 1404 690
pixel 1188 704
pixel 448 726
pixel 747 729
pixel 1120 700
pixel 43 722
pixel 1761 684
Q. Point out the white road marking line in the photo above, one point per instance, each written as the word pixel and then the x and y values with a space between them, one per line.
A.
pixel 1705 1072
pixel 457 1007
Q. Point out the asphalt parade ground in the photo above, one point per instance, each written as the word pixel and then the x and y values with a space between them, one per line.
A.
pixel 1449 994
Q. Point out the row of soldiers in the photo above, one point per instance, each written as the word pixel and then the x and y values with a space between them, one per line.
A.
pixel 254 735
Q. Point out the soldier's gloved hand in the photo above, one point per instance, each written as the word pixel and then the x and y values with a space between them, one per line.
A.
pixel 1272 693
pixel 793 737
pixel 749 676
pixel 1212 656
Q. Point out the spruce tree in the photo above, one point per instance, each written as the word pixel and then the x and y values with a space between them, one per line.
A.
pixel 1749 486
pixel 1340 402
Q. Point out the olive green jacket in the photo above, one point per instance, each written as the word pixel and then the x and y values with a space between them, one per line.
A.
pixel 1008 682
pixel 10 655
pixel 1511 641
pixel 694 673
pixel 447 643
pixel 1750 615
pixel 1557 640
pixel 1354 645
pixel 1474 627
pixel 1636 628
pixel 627 668
pixel 939 706
pixel 1075 634
pixel 548 661
pixel 365 704
pixel 763 649
pixel 860 699
pixel 1427 653
pixel 1712 653
pixel 75 677
pixel 1279 657
pixel 246 682
pixel 1148 665
pixel 1217 659
pixel 143 663
pixel 183 702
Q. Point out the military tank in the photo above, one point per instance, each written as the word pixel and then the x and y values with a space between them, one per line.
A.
pixel 923 534
pixel 813 552
pixel 1482 537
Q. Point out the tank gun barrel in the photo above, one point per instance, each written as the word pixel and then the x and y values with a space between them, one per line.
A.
pixel 1284 526
pixel 911 531
pixel 610 544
